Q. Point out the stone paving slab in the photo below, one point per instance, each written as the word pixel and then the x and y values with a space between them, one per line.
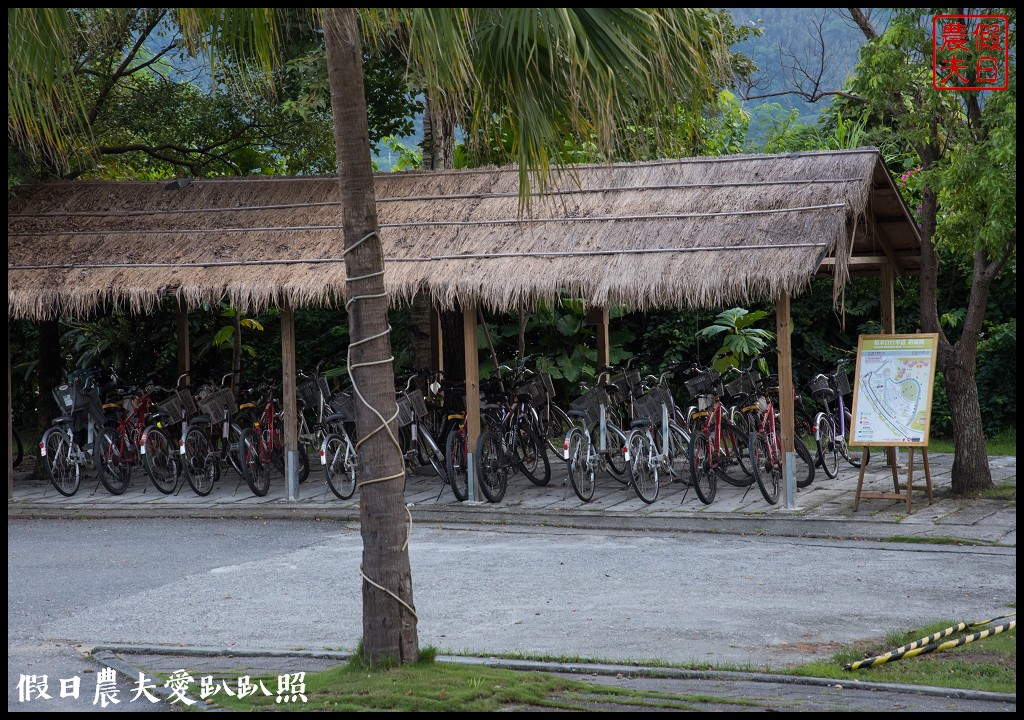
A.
pixel 825 508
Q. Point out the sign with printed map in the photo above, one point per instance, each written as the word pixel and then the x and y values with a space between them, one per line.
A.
pixel 892 395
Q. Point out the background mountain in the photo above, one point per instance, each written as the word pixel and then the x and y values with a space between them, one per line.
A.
pixel 795 38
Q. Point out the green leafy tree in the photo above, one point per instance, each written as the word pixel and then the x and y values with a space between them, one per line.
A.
pixel 965 145
pixel 740 341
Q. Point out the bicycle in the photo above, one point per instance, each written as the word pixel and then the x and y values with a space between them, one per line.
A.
pixel 62 455
pixel 653 417
pixel 766 454
pixel 261 446
pixel 834 428
pixel 715 443
pixel 119 448
pixel 509 441
pixel 337 451
pixel 593 442
pixel 552 421
pixel 412 410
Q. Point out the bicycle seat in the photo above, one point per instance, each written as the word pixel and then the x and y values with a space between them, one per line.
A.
pixel 640 423
pixel 578 414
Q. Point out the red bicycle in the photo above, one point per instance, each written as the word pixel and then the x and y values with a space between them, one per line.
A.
pixel 766 454
pixel 116 449
pixel 715 443
pixel 260 447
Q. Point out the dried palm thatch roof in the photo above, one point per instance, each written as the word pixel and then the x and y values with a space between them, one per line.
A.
pixel 692 232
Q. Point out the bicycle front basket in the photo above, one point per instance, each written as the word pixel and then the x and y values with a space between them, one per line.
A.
pixel 740 387
pixel 628 383
pixel 418 403
pixel 842 382
pixel 310 392
pixel 649 406
pixel 219 404
pixel 343 404
pixel 535 390
pixel 589 403
pixel 406 412
pixel 704 383
pixel 821 388
pixel 179 405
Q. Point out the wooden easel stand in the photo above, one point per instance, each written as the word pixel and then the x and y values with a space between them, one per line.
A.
pixel 898 494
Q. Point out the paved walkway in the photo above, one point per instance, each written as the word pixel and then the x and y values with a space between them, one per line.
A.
pixel 825 509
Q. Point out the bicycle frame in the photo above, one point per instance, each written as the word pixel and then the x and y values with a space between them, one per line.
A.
pixel 266 426
pixel 129 430
pixel 768 426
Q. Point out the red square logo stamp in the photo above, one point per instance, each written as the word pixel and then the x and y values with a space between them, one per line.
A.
pixel 970 52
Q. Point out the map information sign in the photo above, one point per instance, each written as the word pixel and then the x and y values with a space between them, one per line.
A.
pixel 892 395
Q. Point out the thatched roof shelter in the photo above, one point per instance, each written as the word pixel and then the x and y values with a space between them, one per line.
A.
pixel 690 232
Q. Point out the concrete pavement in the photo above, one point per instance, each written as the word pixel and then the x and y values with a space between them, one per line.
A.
pixel 824 510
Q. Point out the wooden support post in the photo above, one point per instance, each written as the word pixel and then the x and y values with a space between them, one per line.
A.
pixel 472 390
pixel 888 300
pixel 183 347
pixel 436 341
pixel 288 403
pixel 598 317
pixel 787 422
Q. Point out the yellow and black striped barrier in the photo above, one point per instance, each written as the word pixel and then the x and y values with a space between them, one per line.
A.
pixel 922 646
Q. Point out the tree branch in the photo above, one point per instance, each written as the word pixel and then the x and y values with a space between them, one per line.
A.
pixel 864 23
pixel 151 60
pixel 112 80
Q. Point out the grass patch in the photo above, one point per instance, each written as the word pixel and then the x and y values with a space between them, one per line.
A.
pixel 1002 491
pixel 989 664
pixel 1005 443
pixel 429 686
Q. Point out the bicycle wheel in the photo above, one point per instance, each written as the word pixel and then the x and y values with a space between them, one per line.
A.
pixel 678 454
pixel 615 459
pixel 255 470
pixel 491 466
pixel 56 450
pixel 767 467
pixel 828 450
pixel 456 464
pixel 201 466
pixel 339 459
pixel 582 468
pixel 160 459
pixel 804 429
pixel 804 466
pixel 557 427
pixel 642 462
pixel 231 451
pixel 702 472
pixel 532 457
pixel 736 442
pixel 113 468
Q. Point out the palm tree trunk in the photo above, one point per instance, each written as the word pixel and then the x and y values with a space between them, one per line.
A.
pixel 389 627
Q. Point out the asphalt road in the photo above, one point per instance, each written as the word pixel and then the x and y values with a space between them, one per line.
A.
pixel 614 596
